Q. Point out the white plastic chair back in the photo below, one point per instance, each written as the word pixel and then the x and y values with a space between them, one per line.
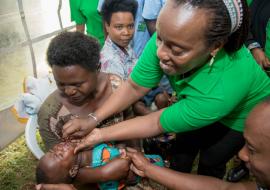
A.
pixel 30 136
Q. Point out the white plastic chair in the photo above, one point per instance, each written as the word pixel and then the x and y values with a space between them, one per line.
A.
pixel 30 136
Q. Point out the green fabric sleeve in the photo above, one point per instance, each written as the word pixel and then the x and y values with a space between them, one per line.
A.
pixel 75 12
pixel 226 94
pixel 147 72
pixel 249 2
pixel 191 114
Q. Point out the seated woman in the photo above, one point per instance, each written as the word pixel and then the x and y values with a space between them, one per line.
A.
pixel 74 59
pixel 106 164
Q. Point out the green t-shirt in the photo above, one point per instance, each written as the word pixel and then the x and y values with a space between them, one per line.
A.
pixel 85 12
pixel 249 2
pixel 225 92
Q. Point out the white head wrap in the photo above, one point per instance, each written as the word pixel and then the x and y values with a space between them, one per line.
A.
pixel 235 10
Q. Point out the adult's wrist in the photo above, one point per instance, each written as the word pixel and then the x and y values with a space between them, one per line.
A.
pixel 93 116
pixel 253 46
pixel 97 134
pixel 147 170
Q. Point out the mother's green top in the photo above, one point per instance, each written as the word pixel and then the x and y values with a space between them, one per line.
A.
pixel 225 92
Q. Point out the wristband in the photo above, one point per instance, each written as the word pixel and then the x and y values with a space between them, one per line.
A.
pixel 253 45
pixel 93 116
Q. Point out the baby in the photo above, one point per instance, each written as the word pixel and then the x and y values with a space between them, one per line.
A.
pixel 106 165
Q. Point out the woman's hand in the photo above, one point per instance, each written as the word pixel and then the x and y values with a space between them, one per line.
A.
pixel 116 169
pixel 93 138
pixel 78 127
pixel 139 162
pixel 55 187
pixel 260 57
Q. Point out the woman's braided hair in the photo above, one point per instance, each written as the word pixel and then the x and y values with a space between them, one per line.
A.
pixel 219 29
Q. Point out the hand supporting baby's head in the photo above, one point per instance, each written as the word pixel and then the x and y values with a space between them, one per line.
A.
pixel 59 165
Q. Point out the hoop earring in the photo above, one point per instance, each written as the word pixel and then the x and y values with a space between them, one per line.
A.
pixel 212 61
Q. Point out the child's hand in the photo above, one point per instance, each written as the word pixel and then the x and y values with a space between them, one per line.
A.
pixel 139 162
pixel 89 141
pixel 55 187
pixel 116 169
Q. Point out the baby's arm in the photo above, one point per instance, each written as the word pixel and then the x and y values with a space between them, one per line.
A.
pixel 116 169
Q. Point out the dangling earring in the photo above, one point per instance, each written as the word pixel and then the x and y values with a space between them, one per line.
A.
pixel 212 60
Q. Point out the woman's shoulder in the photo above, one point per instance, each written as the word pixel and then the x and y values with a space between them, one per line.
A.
pixel 115 81
pixel 52 102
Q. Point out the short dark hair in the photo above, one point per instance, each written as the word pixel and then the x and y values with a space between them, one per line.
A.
pixel 219 29
pixel 112 6
pixel 42 176
pixel 74 48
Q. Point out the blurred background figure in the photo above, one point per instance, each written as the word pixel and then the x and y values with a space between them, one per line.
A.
pixel 150 13
pixel 259 35
pixel 141 34
pixel 84 12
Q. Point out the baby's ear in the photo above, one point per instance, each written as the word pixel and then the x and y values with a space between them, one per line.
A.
pixel 73 171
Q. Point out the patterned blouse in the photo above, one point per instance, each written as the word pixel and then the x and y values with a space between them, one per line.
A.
pixel 116 61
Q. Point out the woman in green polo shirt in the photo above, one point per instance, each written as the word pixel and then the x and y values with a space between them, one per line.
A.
pixel 199 46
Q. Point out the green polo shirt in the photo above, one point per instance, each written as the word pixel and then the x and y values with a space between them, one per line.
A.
pixel 224 92
pixel 249 2
pixel 85 12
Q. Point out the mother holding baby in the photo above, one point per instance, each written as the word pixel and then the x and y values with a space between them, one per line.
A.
pixel 82 88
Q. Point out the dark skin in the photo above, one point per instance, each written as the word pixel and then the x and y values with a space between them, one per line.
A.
pixel 62 159
pixel 55 187
pixel 261 58
pixel 181 49
pixel 255 154
pixel 162 100
pixel 82 92
pixel 151 25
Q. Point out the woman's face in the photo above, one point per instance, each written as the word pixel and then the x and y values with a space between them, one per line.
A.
pixel 121 28
pixel 75 83
pixel 180 38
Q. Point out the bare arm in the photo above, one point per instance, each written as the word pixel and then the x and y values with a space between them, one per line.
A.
pixel 139 127
pixel 116 169
pixel 80 28
pixel 151 26
pixel 122 98
pixel 55 187
pixel 182 181
pixel 260 57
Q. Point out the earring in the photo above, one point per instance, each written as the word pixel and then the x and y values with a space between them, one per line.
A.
pixel 212 60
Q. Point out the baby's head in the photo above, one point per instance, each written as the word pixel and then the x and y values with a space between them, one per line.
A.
pixel 59 165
